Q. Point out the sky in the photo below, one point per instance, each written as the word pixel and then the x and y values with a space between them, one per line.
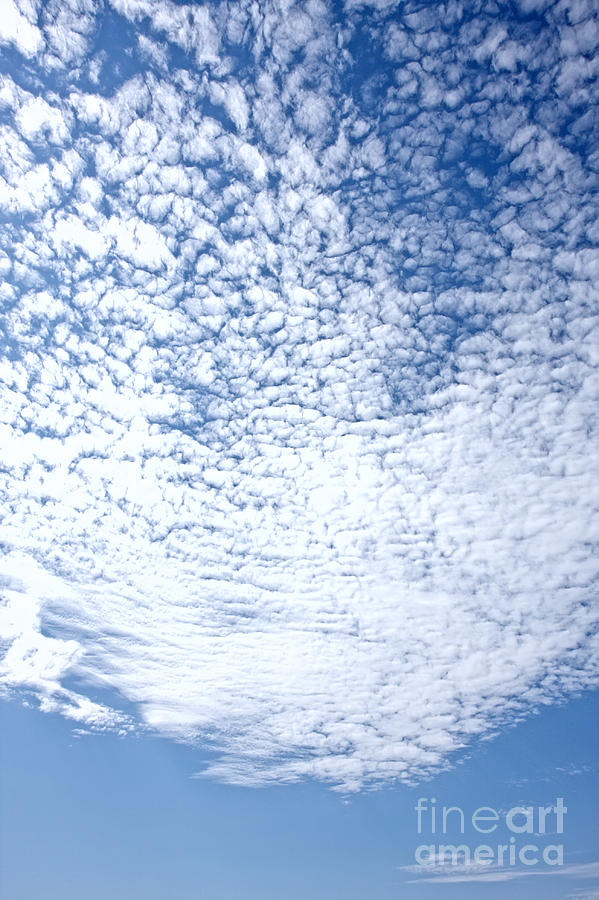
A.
pixel 102 816
pixel 298 396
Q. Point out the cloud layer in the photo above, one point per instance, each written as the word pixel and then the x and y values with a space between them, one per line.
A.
pixel 299 384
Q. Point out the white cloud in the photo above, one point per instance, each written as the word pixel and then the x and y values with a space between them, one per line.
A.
pixel 489 875
pixel 232 96
pixel 19 29
pixel 298 420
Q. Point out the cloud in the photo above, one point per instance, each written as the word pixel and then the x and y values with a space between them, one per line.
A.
pixel 474 873
pixel 17 28
pixel 300 378
pixel 489 874
pixel 593 894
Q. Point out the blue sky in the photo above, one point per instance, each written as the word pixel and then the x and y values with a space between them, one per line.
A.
pixel 299 421
pixel 109 816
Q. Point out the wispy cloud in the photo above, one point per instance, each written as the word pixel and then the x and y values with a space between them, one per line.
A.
pixel 489 874
pixel 593 894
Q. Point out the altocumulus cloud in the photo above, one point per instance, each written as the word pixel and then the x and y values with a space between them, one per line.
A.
pixel 299 372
